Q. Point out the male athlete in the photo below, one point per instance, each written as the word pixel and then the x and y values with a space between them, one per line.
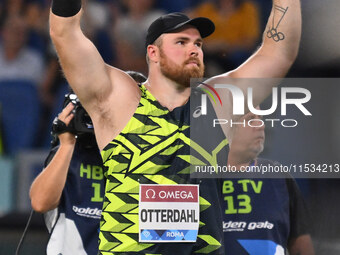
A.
pixel 144 132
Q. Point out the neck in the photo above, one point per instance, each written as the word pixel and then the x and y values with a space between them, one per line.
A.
pixel 239 159
pixel 167 92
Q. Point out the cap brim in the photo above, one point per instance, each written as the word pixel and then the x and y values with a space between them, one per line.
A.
pixel 204 25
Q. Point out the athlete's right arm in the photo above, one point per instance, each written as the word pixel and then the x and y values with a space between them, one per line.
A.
pixel 88 75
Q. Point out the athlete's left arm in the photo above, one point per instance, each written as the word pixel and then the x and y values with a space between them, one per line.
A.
pixel 301 245
pixel 280 45
pixel 276 54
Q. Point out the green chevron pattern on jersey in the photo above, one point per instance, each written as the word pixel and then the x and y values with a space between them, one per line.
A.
pixel 153 148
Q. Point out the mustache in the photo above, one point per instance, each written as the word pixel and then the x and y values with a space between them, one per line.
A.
pixel 193 59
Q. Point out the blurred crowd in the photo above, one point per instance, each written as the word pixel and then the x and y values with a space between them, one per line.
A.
pixel 118 29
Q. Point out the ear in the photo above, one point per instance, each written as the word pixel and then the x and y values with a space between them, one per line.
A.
pixel 153 53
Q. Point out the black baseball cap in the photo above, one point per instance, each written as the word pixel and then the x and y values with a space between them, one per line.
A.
pixel 172 21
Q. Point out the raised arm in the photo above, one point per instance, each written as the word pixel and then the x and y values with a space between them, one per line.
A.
pixel 280 45
pixel 102 89
pixel 90 78
pixel 273 59
pixel 82 64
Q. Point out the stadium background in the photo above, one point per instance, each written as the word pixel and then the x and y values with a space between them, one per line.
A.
pixel 319 56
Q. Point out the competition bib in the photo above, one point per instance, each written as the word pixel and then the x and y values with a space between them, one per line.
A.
pixel 168 213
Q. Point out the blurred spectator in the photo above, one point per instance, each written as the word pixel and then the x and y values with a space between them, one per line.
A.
pixel 17 61
pixel 261 214
pixel 131 28
pixel 10 8
pixel 177 6
pixel 2 7
pixel 1 134
pixel 96 23
pixel 237 32
pixel 36 15
pixel 52 79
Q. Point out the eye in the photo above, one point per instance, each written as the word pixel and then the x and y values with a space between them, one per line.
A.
pixel 180 42
pixel 199 44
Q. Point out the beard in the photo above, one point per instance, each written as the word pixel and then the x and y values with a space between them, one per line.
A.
pixel 255 149
pixel 181 74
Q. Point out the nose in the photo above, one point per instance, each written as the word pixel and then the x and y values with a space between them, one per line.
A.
pixel 193 51
pixel 259 123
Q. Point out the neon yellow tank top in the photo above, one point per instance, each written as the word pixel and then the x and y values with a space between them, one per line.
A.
pixel 153 148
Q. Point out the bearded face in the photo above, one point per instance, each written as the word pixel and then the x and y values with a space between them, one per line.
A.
pixel 181 73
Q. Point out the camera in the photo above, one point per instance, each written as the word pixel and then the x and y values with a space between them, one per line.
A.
pixel 81 122
pixel 80 125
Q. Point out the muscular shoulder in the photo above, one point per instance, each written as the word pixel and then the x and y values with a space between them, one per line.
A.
pixel 115 109
pixel 122 82
pixel 121 90
pixel 124 93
